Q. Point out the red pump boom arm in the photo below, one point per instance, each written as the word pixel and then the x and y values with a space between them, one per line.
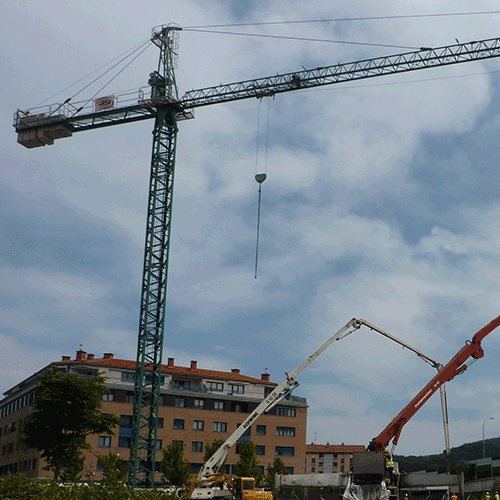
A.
pixel 455 367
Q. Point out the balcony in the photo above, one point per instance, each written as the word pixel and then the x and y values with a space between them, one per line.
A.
pixel 187 388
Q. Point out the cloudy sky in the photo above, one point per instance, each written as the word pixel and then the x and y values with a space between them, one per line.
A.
pixel 381 203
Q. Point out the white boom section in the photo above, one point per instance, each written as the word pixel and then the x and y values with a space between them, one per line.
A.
pixel 215 462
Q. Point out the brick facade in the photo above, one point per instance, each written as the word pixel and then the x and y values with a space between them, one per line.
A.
pixel 198 406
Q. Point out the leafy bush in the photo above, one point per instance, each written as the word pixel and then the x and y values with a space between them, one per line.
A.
pixel 19 487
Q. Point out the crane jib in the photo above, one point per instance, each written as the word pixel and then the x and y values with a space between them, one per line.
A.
pixel 41 126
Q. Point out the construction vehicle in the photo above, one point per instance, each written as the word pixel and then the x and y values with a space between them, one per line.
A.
pixel 369 471
pixel 225 486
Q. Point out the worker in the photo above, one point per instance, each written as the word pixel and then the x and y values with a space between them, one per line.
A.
pixel 497 496
pixel 388 465
pixel 454 496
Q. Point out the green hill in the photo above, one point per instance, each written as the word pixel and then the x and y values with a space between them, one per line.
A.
pixel 467 451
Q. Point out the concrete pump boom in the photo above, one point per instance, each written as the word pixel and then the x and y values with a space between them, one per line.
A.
pixel 215 462
pixel 455 367
pixel 213 465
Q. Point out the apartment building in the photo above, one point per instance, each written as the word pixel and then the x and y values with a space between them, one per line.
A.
pixel 198 406
pixel 328 458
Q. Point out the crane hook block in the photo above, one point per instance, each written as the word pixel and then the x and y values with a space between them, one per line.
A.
pixel 260 178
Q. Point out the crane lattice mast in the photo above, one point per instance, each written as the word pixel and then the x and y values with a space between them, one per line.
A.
pixel 154 281
pixel 41 126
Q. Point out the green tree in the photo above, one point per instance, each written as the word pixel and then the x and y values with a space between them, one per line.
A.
pixel 247 464
pixel 174 467
pixel 115 469
pixel 67 408
pixel 278 467
pixel 210 449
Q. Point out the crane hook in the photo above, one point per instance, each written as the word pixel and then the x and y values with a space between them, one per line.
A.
pixel 260 178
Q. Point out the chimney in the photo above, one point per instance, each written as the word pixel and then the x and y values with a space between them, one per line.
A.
pixel 193 365
pixel 81 354
pixel 265 377
pixel 171 361
pixel 90 356
pixel 66 358
pixel 108 355
pixel 236 371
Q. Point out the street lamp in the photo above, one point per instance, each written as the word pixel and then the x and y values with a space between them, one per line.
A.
pixel 491 418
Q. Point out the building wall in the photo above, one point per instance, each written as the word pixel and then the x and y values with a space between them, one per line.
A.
pixel 325 459
pixel 14 457
pixel 206 415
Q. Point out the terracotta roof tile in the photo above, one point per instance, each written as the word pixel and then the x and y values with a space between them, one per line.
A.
pixel 173 370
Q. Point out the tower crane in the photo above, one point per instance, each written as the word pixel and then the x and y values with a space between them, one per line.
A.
pixel 42 126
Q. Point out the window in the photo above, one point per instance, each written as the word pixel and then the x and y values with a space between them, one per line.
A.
pixel 261 430
pixel 260 449
pixel 124 442
pixel 219 405
pixel 148 377
pixel 285 451
pixel 160 422
pixel 215 386
pixel 104 441
pixel 198 425
pixel 181 385
pixel 285 431
pixel 108 396
pixel 284 411
pixel 129 398
pixel 179 424
pixel 158 444
pixel 236 388
pixel 180 402
pixel 199 404
pixel 128 376
pixel 196 446
pixel 289 470
pixel 126 422
pixel 220 426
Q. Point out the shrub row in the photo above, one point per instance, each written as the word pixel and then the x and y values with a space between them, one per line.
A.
pixel 19 487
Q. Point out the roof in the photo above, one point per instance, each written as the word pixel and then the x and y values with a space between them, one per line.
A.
pixel 167 369
pixel 334 448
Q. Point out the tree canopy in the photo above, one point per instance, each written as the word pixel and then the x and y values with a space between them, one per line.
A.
pixel 115 469
pixel 247 464
pixel 174 467
pixel 66 410
pixel 278 467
